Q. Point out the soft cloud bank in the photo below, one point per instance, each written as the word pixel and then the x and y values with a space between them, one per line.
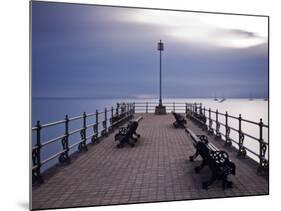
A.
pixel 93 51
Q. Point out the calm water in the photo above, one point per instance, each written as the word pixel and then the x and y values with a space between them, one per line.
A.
pixel 48 110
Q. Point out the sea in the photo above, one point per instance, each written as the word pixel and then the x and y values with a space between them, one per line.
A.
pixel 48 110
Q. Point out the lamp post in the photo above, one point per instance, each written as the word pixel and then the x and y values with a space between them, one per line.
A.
pixel 160 109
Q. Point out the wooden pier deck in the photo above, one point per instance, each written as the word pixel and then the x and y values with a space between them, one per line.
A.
pixel 156 169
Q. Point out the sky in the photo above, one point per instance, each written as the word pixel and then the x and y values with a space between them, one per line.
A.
pixel 111 52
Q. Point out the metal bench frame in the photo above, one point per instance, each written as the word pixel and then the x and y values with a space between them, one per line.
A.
pixel 217 160
pixel 128 133
pixel 180 120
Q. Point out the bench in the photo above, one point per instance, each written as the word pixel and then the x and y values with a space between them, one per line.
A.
pixel 128 133
pixel 217 160
pixel 180 120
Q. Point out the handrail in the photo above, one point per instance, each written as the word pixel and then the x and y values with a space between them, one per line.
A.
pixel 103 121
pixel 53 123
pixel 108 118
pixel 203 117
pixel 52 140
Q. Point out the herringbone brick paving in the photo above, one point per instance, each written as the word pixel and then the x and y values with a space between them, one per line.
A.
pixel 156 169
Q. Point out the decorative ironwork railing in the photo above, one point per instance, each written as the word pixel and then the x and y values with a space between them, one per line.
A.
pixel 203 118
pixel 217 124
pixel 102 123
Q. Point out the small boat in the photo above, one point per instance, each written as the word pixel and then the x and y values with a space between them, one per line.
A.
pixel 216 99
pixel 222 100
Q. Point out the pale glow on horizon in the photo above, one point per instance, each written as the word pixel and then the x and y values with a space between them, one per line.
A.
pixel 233 31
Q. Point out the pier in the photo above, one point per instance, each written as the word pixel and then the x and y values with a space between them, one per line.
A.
pixel 156 169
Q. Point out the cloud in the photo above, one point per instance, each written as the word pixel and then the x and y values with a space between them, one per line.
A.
pixel 217 30
pixel 111 52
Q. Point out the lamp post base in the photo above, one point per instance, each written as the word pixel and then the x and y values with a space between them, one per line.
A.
pixel 160 109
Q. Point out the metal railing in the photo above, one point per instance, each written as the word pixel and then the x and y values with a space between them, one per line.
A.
pixel 149 107
pixel 203 118
pixel 105 121
pixel 101 126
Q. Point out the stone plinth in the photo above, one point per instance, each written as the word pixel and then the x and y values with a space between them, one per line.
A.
pixel 160 109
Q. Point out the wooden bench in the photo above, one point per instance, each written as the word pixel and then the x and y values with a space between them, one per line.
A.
pixel 180 120
pixel 128 133
pixel 217 160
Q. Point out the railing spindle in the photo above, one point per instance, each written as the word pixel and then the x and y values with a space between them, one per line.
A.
pixel 263 165
pixel 146 107
pixel 241 148
pixel 210 120
pixel 36 155
pixel 64 157
pixel 97 122
pixel 227 131
pixel 82 146
pixel 218 134
pixel 204 111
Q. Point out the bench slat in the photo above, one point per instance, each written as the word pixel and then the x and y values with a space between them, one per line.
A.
pixel 216 159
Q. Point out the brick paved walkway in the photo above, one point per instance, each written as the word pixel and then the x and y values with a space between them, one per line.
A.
pixel 156 169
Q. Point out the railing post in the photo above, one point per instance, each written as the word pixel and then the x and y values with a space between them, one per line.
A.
pixel 110 128
pixel 217 117
pixel 67 135
pixel 134 108
pixel 97 122
pixel 204 112
pixel 146 107
pixel 210 120
pixel 241 148
pixel 104 131
pixel 95 136
pixel 218 134
pixel 64 157
pixel 227 131
pixel 117 109
pixel 84 126
pixel 210 131
pixel 263 165
pixel 36 155
pixel 174 109
pixel 82 146
pixel 185 109
pixel 192 108
pixel 205 126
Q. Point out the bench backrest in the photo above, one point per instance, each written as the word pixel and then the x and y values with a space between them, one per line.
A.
pixel 216 158
pixel 132 127
pixel 177 116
